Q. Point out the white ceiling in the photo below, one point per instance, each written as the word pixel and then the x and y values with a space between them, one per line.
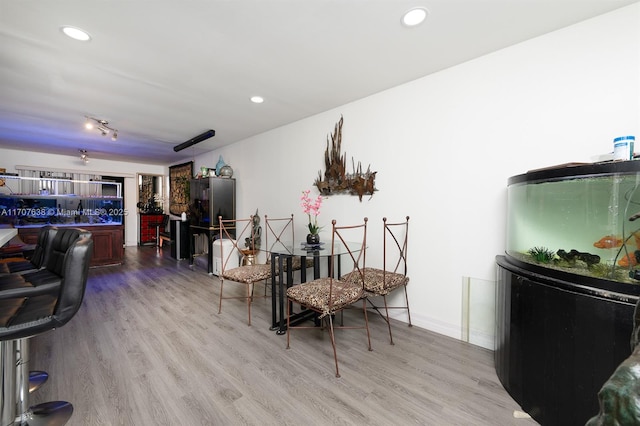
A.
pixel 164 71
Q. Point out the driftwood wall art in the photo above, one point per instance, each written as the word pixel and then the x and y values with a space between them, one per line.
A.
pixel 336 179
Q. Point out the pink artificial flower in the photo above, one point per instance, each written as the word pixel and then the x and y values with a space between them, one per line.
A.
pixel 311 209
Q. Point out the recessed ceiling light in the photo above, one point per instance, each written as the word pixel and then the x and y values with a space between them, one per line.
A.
pixel 414 16
pixel 257 99
pixel 76 33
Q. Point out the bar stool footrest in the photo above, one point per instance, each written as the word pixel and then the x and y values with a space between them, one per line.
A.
pixel 37 379
pixel 52 413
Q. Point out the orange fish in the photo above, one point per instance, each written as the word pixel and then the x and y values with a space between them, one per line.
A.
pixel 609 241
pixel 628 260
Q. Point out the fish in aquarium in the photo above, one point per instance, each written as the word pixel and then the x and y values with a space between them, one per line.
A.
pixel 612 241
pixel 631 259
pixel 609 241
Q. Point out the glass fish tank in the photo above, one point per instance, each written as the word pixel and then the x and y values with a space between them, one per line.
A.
pixel 578 221
pixel 33 202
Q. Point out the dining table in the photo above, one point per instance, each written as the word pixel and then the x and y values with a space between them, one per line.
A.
pixel 312 257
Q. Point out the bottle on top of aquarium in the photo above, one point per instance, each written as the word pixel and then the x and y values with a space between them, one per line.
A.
pixel 623 147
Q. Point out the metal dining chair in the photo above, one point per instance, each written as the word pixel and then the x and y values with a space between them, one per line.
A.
pixel 236 232
pixel 280 237
pixel 381 282
pixel 331 295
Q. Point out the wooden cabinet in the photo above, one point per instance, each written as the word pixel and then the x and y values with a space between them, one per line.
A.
pixel 107 245
pixel 148 227
pixel 107 242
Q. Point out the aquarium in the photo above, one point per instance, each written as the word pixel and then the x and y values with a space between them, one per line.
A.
pixel 26 211
pixel 33 202
pixel 578 219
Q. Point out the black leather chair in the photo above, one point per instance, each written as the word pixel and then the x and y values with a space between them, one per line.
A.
pixel 39 257
pixel 31 304
pixel 162 234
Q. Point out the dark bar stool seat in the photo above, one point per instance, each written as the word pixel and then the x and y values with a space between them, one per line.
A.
pixel 161 231
pixel 39 257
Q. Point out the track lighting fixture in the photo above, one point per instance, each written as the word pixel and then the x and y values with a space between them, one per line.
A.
pixel 83 155
pixel 194 140
pixel 102 126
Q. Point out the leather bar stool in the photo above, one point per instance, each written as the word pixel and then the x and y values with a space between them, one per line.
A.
pixel 161 231
pixel 39 257
pixel 38 260
pixel 31 304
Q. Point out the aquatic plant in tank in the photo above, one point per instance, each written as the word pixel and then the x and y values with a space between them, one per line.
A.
pixel 542 254
pixel 602 270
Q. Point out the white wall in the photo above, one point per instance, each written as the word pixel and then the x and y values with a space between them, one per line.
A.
pixel 12 158
pixel 445 145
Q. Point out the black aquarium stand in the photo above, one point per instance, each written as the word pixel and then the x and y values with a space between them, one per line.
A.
pixel 559 337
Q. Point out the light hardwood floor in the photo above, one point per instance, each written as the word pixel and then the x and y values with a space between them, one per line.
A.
pixel 149 348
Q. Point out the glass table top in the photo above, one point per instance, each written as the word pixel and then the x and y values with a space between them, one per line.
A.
pixel 319 250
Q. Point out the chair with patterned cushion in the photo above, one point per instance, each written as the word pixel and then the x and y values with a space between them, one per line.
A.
pixel 279 234
pixel 280 237
pixel 331 295
pixel 237 231
pixel 380 282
